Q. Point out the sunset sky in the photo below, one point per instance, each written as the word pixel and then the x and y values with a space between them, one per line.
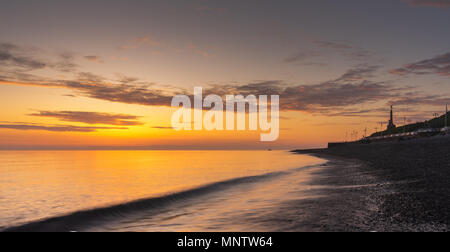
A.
pixel 103 73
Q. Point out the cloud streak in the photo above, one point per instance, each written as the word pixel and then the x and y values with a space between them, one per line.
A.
pixel 162 128
pixel 57 128
pixel 22 59
pixel 354 87
pixel 439 65
pixel 91 117
pixel 139 42
pixel 95 59
pixel 123 93
pixel 415 99
pixel 325 48
pixel 14 56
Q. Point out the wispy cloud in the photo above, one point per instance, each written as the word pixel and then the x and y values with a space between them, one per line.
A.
pixel 57 128
pixel 91 117
pixel 439 65
pixel 416 98
pixel 114 92
pixel 325 48
pixel 376 112
pixel 88 77
pixel 334 45
pixel 15 56
pixel 23 59
pixel 162 128
pixel 159 45
pixel 358 73
pixel 301 56
pixel 123 93
pixel 141 41
pixel 65 63
pixel 354 87
pixel 198 50
pixel 18 65
pixel 95 59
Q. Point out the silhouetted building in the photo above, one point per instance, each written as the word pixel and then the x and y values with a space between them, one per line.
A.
pixel 391 124
pixel 446 116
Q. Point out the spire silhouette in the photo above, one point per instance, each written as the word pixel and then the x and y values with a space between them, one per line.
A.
pixel 391 124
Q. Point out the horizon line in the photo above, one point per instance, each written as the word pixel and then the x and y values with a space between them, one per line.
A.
pixel 137 148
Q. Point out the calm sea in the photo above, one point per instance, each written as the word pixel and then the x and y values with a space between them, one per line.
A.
pixel 160 190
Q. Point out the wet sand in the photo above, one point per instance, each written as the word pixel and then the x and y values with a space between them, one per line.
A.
pixel 396 186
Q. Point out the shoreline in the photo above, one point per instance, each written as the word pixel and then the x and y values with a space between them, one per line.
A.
pixel 411 181
pixel 383 187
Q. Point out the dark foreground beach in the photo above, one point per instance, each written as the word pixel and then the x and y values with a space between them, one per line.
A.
pixel 404 186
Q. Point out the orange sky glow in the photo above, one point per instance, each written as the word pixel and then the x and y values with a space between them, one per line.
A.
pixel 110 83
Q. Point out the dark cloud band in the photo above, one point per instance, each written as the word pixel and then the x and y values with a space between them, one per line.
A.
pixel 91 117
pixel 57 128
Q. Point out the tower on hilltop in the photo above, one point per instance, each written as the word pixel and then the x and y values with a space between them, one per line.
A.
pixel 391 124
